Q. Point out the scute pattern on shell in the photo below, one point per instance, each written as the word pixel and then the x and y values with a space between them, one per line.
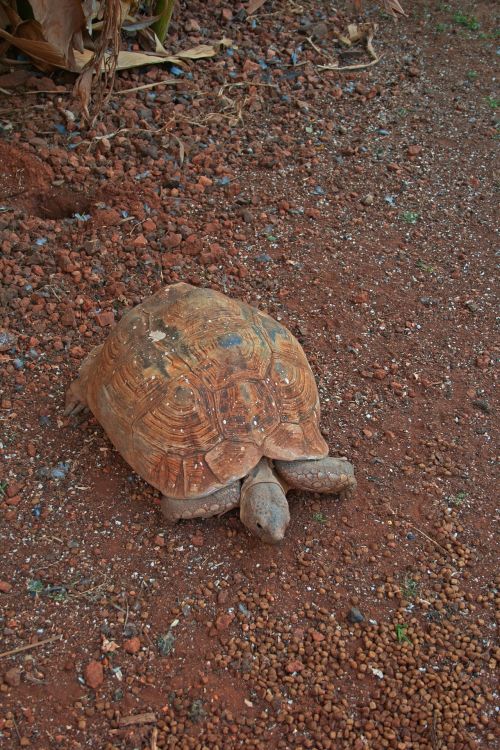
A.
pixel 193 388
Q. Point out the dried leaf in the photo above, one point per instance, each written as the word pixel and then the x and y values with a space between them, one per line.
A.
pixel 182 153
pixel 108 646
pixel 394 8
pixel 147 39
pixel 30 29
pixel 43 54
pixel 125 59
pixel 11 15
pixel 61 24
pixel 137 24
pixel 355 32
pixel 254 5
pixel 151 42
pixel 130 23
pixel 158 46
pixel 204 50
pixel 369 40
pixel 128 59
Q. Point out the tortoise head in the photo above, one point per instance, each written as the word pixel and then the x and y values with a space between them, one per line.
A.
pixel 263 505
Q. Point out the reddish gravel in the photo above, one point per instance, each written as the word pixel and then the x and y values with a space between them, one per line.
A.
pixel 357 208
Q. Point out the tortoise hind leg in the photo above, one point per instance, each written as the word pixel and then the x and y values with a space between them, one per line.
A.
pixel 328 475
pixel 215 504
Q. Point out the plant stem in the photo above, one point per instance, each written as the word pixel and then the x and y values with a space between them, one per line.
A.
pixel 164 9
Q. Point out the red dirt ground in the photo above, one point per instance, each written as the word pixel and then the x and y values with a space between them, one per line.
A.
pixel 357 208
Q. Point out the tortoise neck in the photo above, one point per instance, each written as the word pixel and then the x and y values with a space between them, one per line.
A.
pixel 263 473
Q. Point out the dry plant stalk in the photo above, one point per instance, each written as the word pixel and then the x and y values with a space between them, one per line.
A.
pixel 102 65
pixel 29 646
pixel 163 8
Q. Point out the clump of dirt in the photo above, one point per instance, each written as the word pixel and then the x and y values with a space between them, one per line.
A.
pixel 26 182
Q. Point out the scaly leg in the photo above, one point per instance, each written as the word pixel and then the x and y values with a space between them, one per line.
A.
pixel 76 397
pixel 215 504
pixel 329 475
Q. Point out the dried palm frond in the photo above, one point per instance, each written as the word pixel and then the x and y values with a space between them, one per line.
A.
pixel 62 24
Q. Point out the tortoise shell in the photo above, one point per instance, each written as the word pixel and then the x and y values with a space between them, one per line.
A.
pixel 193 388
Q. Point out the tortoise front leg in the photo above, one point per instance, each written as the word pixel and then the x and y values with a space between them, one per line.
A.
pixel 328 475
pixel 76 400
pixel 215 504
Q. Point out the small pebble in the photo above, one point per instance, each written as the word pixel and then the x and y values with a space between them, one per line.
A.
pixel 13 677
pixel 94 674
pixel 355 615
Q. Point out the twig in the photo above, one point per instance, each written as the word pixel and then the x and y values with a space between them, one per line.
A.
pixel 49 565
pixel 146 718
pixel 167 81
pixel 369 45
pixel 79 594
pixel 29 646
pixel 125 130
pixel 52 289
pixel 47 91
pixel 357 66
pixel 315 47
pixel 30 678
pixel 154 736
pixel 16 728
pixel 430 539
pixel 239 84
pixel 434 737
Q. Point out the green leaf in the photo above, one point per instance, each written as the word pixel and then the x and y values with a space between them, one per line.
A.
pixel 401 634
pixel 35 587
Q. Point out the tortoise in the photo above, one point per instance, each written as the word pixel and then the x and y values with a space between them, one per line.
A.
pixel 214 403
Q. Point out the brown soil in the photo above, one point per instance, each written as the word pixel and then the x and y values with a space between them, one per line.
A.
pixel 357 208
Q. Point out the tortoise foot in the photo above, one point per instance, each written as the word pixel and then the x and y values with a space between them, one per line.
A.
pixel 75 402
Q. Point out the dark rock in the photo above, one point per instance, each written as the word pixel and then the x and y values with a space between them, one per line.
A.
pixel 482 405
pixel 355 615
